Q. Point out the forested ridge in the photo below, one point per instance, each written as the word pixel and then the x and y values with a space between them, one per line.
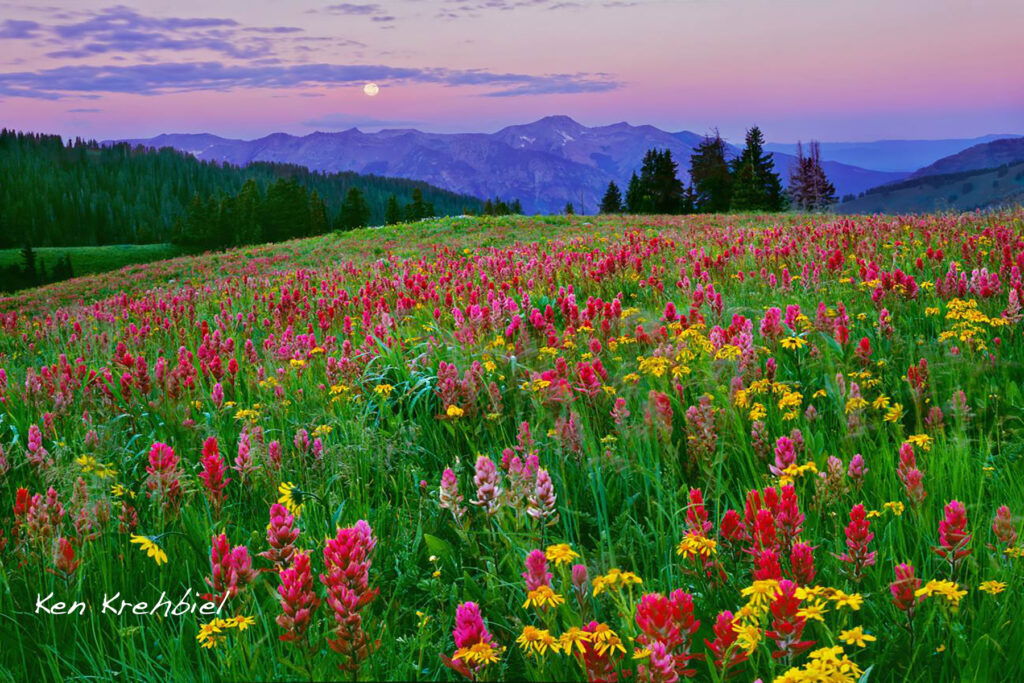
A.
pixel 82 193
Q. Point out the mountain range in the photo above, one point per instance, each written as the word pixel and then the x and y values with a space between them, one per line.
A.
pixel 544 164
pixel 984 176
pixel 904 156
pixel 978 157
pixel 555 160
pixel 989 188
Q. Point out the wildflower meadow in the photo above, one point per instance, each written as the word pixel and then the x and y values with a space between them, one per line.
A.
pixel 785 448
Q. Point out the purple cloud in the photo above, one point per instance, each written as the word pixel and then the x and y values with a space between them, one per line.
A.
pixel 15 29
pixel 354 9
pixel 122 30
pixel 122 18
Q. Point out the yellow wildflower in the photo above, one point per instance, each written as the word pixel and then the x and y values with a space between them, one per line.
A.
pixel 291 497
pixel 856 636
pixel 152 549
pixel 574 636
pixel 992 587
pixel 542 597
pixel 560 554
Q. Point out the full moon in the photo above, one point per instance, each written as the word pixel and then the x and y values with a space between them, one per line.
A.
pixel 371 89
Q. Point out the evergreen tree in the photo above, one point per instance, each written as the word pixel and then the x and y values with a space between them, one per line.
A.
pixel 488 208
pixel 612 201
pixel 355 213
pixel 319 224
pixel 689 203
pixel 417 210
pixel 278 212
pixel 197 231
pixel 517 207
pixel 62 269
pixel 28 264
pixel 392 212
pixel 634 195
pixel 569 210
pixel 223 221
pixel 247 206
pixel 666 190
pixel 808 185
pixel 756 185
pixel 710 176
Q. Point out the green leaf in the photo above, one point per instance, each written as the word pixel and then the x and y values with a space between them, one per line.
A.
pixel 438 546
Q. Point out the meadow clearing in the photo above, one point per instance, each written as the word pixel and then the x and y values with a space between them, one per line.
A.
pixel 571 448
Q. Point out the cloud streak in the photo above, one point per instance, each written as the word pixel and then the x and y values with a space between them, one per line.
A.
pixel 171 77
pixel 354 9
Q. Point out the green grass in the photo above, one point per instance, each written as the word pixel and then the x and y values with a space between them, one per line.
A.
pixel 91 260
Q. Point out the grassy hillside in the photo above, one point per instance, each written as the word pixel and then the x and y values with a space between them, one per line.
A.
pixel 965 191
pixel 90 260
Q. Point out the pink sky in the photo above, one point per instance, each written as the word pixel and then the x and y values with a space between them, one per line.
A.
pixel 827 69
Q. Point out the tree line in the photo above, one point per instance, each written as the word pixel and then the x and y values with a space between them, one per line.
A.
pixel 287 210
pixel 746 183
pixel 32 271
pixel 85 194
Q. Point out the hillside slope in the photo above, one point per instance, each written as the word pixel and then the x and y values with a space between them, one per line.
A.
pixel 899 156
pixel 978 157
pixel 965 191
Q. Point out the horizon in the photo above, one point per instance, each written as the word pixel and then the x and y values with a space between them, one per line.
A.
pixel 370 130
pixel 107 71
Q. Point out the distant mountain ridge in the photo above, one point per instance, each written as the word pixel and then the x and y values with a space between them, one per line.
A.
pixel 988 188
pixel 983 176
pixel 544 164
pixel 983 156
pixel 891 155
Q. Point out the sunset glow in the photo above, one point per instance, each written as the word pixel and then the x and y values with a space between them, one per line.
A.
pixel 801 68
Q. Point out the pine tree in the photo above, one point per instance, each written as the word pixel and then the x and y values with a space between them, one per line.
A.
pixel 319 224
pixel 223 222
pixel 756 186
pixel 393 211
pixel 569 210
pixel 355 213
pixel 808 185
pixel 666 189
pixel 689 203
pixel 710 176
pixel 417 210
pixel 28 264
pixel 247 206
pixel 197 227
pixel 634 195
pixel 517 207
pixel 612 200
